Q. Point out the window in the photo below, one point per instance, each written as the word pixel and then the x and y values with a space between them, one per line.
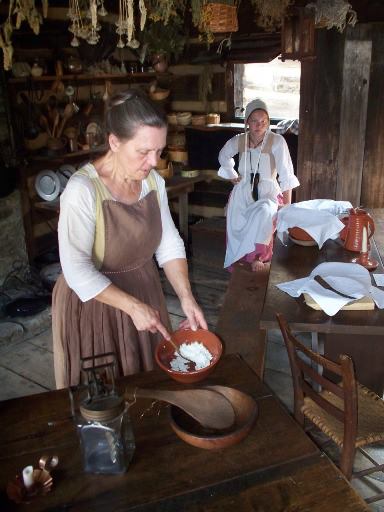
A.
pixel 276 82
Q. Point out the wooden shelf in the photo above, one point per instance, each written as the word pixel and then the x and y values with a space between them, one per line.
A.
pixel 83 77
pixel 65 156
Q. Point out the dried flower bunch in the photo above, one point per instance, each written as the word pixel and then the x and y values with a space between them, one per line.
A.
pixel 126 23
pixel 270 13
pixel 84 20
pixel 333 13
pixel 19 11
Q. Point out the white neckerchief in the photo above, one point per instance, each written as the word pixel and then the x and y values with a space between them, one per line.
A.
pixel 258 159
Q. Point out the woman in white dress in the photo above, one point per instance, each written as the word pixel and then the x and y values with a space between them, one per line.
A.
pixel 263 183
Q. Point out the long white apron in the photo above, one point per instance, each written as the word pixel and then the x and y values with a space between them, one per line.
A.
pixel 249 222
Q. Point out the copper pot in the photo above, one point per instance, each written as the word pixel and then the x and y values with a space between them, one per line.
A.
pixel 358 219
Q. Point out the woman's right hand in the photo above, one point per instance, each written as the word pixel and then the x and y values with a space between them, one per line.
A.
pixel 236 180
pixel 146 318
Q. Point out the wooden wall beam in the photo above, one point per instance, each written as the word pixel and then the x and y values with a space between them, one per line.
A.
pixel 372 191
pixel 353 117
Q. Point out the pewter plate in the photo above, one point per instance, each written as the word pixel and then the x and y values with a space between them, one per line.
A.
pixel 47 185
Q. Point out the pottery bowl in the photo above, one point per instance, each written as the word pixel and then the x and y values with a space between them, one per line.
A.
pixel 165 353
pixel 299 234
pixel 190 431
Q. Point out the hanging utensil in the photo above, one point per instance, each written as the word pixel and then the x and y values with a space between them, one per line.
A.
pixel 68 112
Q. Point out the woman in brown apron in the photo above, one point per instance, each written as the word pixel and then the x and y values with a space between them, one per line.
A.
pixel 114 217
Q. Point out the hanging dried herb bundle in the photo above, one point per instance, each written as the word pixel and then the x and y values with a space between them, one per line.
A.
pixel 270 13
pixel 163 10
pixel 19 11
pixel 333 13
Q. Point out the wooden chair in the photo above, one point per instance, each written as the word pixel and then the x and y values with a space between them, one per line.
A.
pixel 350 414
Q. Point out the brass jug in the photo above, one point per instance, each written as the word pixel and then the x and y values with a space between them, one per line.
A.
pixel 358 219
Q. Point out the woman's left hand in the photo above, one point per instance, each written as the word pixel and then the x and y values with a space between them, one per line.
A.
pixel 195 316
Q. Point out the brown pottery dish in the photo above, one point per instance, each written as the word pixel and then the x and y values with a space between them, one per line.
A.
pixel 299 234
pixel 193 433
pixel 165 353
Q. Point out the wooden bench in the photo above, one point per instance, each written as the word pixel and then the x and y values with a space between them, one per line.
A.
pixel 239 318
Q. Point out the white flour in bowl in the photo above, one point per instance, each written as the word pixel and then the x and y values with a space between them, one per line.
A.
pixel 196 352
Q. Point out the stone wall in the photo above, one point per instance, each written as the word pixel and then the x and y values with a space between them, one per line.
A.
pixel 12 235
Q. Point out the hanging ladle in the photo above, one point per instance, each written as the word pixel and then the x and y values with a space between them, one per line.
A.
pixel 208 407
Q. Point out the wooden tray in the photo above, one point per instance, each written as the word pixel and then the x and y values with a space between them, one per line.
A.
pixel 363 304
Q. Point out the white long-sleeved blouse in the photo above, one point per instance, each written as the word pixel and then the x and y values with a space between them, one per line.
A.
pixel 270 184
pixel 76 231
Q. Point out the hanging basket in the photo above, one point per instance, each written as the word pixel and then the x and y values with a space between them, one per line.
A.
pixel 220 17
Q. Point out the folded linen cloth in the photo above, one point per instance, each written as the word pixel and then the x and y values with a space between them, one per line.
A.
pixel 348 278
pixel 329 205
pixel 318 217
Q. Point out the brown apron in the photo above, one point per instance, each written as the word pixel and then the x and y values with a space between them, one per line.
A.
pixel 80 329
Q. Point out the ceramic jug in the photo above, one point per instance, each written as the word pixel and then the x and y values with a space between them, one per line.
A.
pixel 358 219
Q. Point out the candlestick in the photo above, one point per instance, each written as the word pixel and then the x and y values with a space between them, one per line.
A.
pixel 364 243
pixel 28 476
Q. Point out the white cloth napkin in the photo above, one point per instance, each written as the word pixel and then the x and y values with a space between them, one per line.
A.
pixel 317 217
pixel 349 278
pixel 379 279
pixel 328 205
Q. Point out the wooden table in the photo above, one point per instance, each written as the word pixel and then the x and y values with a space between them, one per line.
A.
pixel 180 187
pixel 349 328
pixel 176 187
pixel 276 464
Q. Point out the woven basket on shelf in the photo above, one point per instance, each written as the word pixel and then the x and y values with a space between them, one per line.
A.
pixel 221 17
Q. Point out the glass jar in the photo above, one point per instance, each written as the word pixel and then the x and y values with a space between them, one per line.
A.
pixel 107 446
pixel 102 418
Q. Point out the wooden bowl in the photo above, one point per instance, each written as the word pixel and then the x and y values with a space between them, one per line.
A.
pixel 165 353
pixel 178 154
pixel 167 172
pixel 193 433
pixel 184 118
pixel 159 95
pixel 171 118
pixel 162 163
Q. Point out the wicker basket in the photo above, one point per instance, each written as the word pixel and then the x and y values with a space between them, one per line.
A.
pixel 220 17
pixel 213 118
pixel 198 120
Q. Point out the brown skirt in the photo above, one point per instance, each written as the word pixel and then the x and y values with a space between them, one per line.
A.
pixel 89 328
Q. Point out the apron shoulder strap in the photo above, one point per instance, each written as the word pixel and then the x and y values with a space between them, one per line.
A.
pixel 101 193
pixel 242 139
pixel 267 149
pixel 152 183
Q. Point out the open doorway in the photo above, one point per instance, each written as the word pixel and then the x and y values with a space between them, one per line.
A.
pixel 275 82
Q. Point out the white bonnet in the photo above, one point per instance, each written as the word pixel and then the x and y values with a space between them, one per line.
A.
pixel 255 105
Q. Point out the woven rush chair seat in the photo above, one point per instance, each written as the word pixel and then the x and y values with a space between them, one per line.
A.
pixel 348 413
pixel 370 427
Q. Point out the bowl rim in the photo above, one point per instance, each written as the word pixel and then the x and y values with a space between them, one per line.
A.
pixel 246 426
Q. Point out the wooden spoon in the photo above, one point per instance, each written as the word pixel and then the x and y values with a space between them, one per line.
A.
pixel 210 408
pixel 44 124
pixel 177 350
pixel 68 112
